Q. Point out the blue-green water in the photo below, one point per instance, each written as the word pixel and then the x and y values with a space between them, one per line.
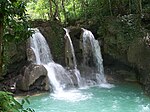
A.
pixel 121 98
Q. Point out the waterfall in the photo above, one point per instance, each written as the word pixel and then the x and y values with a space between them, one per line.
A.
pixel 72 59
pixel 57 74
pixel 40 48
pixel 91 48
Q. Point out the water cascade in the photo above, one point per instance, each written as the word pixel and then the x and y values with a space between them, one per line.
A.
pixel 91 48
pixel 71 59
pixel 58 76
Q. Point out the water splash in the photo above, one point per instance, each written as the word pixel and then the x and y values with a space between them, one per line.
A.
pixel 91 45
pixel 72 96
pixel 145 108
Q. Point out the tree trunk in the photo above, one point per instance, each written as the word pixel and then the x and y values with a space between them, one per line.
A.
pixel 1 38
pixel 64 11
pixel 51 9
pixel 139 11
pixel 130 7
pixel 74 8
pixel 110 7
pixel 140 7
pixel 56 15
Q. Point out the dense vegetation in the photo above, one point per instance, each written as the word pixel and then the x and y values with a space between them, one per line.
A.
pixel 117 22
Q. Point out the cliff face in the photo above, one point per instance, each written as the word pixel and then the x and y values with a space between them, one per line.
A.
pixel 139 56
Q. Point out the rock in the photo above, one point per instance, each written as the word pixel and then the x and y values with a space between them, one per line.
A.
pixel 54 35
pixel 17 57
pixel 30 55
pixel 139 56
pixel 34 77
pixel 69 57
pixel 127 75
pixel 75 33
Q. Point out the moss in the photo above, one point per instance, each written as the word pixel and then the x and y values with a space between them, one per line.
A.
pixel 118 33
pixel 54 34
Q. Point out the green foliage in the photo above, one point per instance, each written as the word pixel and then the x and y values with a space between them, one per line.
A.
pixel 9 104
pixel 38 9
pixel 118 33
pixel 15 26
pixel 15 21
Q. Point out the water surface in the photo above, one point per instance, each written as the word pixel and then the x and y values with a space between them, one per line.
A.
pixel 121 98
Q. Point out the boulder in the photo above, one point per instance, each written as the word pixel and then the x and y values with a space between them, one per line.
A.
pixel 34 77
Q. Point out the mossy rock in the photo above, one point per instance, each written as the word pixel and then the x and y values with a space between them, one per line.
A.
pixel 139 54
pixel 54 34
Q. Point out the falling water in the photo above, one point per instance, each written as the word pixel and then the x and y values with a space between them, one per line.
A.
pixel 80 80
pixel 88 38
pixel 44 57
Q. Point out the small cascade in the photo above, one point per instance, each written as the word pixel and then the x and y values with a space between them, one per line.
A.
pixel 69 51
pixel 58 76
pixel 71 59
pixel 40 48
pixel 92 54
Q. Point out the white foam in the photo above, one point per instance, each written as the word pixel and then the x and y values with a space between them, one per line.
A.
pixel 71 95
pixel 106 85
pixel 145 108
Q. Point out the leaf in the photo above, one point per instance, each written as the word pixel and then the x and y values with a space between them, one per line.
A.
pixel 23 101
pixel 2 1
pixel 27 100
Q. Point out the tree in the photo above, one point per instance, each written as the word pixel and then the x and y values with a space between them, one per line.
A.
pixel 1 33
pixel 51 9
pixel 13 25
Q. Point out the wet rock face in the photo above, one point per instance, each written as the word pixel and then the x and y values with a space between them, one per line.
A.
pixel 139 56
pixel 68 54
pixel 75 33
pixel 17 55
pixel 34 77
pixel 30 55
pixel 54 35
pixel 146 85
